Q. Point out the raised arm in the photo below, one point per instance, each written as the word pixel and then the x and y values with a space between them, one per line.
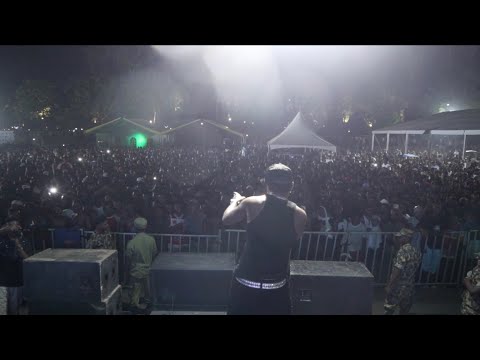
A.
pixel 300 221
pixel 236 211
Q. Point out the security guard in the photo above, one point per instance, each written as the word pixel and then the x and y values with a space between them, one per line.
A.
pixel 401 286
pixel 141 251
pixel 471 295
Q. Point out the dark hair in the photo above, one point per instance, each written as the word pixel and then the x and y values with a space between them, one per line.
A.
pixel 279 178
pixel 100 219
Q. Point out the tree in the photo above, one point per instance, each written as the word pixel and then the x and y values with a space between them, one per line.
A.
pixel 141 93
pixel 34 104
pixel 85 100
pixel 116 60
pixel 383 109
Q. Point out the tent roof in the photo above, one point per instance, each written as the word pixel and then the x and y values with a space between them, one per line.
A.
pixel 298 135
pixel 135 123
pixel 121 120
pixel 445 123
pixel 222 127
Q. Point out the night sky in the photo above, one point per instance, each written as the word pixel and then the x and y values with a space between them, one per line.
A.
pixel 434 63
pixel 26 62
pixel 448 73
pixel 55 62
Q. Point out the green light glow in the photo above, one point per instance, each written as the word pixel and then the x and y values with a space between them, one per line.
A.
pixel 141 140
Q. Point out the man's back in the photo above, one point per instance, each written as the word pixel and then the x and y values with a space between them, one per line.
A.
pixel 274 225
pixel 270 237
pixel 140 251
pixel 255 204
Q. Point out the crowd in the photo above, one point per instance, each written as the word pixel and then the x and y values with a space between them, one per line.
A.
pixel 184 190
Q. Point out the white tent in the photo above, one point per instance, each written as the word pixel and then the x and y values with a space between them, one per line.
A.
pixel 298 135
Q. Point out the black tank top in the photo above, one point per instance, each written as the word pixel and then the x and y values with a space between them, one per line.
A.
pixel 270 238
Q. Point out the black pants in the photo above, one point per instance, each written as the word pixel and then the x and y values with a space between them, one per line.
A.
pixel 250 301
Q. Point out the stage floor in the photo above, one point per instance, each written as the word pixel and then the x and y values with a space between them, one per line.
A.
pixel 428 301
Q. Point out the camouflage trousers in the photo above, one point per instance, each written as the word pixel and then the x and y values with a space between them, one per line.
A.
pixel 3 300
pixel 11 301
pixel 470 304
pixel 467 310
pixel 400 297
pixel 139 288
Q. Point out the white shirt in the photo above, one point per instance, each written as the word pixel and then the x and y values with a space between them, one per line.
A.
pixel 367 222
pixel 412 220
pixel 355 236
pixel 176 219
pixel 342 225
pixel 375 239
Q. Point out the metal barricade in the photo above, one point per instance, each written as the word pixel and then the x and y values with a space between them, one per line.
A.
pixel 445 257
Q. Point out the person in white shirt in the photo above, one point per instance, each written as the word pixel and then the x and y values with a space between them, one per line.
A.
pixel 324 219
pixel 177 226
pixel 413 221
pixel 356 233
pixel 375 238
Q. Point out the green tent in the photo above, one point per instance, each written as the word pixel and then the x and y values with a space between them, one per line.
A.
pixel 125 132
pixel 132 133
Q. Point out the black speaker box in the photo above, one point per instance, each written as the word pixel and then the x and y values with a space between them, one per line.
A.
pixel 70 275
pixel 111 305
pixel 186 281
pixel 330 288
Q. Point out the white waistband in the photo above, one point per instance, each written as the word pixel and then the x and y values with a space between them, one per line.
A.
pixel 257 285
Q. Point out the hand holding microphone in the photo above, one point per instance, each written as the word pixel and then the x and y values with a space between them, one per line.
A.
pixel 237 198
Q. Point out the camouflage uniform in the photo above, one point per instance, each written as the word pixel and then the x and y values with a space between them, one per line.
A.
pixel 101 241
pixel 141 251
pixel 471 303
pixel 401 294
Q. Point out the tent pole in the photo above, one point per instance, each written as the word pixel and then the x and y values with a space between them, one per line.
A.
pixel 406 142
pixel 464 142
pixel 373 140
pixel 388 141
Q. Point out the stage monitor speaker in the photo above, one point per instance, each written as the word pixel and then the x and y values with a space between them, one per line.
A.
pixel 330 288
pixel 191 281
pixel 75 275
pixel 111 305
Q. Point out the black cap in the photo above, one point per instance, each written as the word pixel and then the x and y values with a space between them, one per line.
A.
pixel 279 174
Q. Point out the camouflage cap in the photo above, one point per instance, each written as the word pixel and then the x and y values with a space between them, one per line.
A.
pixel 405 232
pixel 140 223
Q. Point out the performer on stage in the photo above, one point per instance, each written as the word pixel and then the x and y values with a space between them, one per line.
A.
pixel 260 284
